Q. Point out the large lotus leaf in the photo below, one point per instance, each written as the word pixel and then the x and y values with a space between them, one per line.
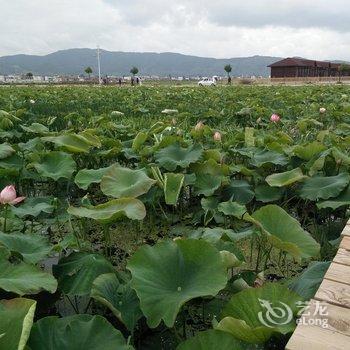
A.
pixel 119 298
pixel 85 177
pixel 207 184
pixel 16 319
pixel 34 207
pixel 32 248
pixel 174 155
pixel 71 142
pixel 78 332
pixel 169 274
pixel 6 150
pixel 284 232
pixel 212 340
pixel 254 314
pixel 112 210
pixel 121 182
pixel 306 285
pixel 56 165
pixel 24 279
pixel 172 187
pixel 76 272
pixel 211 167
pixel 13 162
pixel 286 178
pixel 337 202
pixel 232 209
pixel 268 157
pixel 239 191
pixel 265 193
pixel 36 128
pixel 320 187
pixel 309 151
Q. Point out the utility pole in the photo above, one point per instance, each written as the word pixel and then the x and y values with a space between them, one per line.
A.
pixel 99 64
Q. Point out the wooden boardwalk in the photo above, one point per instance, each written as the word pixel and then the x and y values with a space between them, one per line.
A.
pixel 334 294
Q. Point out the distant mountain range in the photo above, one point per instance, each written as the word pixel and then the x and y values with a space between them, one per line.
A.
pixel 74 61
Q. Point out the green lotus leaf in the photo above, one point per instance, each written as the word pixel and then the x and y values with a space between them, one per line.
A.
pixel 207 184
pixel 119 298
pixel 209 203
pixel 232 209
pixel 174 155
pixel 239 191
pixel 4 253
pixel 112 211
pixel 248 317
pixel 56 165
pixel 286 178
pixel 76 272
pixel 266 194
pixel 320 187
pixel 337 202
pixel 307 284
pixel 139 140
pixel 72 142
pixel 13 162
pixel 36 128
pixel 212 340
pixel 309 151
pixel 24 279
pixel 268 157
pixel 284 232
pixel 121 182
pixel 33 248
pixel 6 150
pixel 34 207
pixel 85 177
pixel 211 167
pixel 172 187
pixel 16 319
pixel 169 274
pixel 76 333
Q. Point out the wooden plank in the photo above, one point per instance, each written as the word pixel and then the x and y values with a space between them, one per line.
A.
pixel 338 273
pixel 315 338
pixel 342 257
pixel 346 231
pixel 334 292
pixel 345 243
pixel 322 329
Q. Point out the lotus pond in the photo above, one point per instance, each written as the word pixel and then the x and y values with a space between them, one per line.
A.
pixel 167 218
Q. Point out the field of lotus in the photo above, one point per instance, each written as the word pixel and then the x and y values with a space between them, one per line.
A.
pixel 167 218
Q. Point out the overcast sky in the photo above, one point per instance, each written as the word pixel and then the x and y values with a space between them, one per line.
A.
pixel 317 29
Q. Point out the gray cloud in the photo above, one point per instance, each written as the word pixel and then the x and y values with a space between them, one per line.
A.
pixel 220 28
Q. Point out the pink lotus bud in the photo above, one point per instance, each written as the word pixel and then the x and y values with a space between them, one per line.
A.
pixel 199 126
pixel 217 136
pixel 323 110
pixel 8 196
pixel 275 118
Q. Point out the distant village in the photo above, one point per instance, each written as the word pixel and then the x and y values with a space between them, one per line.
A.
pixel 82 79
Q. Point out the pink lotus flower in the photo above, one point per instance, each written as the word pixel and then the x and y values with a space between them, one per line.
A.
pixel 275 118
pixel 217 136
pixel 8 196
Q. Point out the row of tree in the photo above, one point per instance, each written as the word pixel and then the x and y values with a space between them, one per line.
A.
pixel 135 70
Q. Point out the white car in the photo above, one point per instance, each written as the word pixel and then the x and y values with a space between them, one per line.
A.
pixel 207 82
